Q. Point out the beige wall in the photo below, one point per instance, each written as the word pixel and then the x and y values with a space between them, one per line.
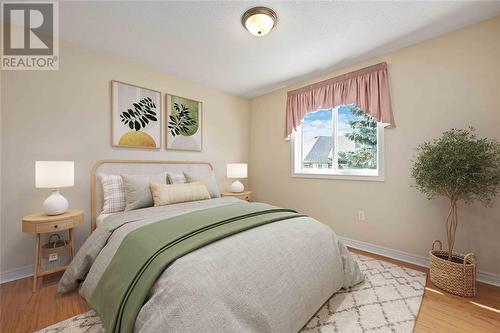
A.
pixel 65 115
pixel 453 80
pixel 450 81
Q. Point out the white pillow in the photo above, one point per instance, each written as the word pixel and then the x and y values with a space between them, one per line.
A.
pixel 137 192
pixel 176 178
pixel 209 181
pixel 113 193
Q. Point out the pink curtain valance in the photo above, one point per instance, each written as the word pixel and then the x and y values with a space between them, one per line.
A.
pixel 368 88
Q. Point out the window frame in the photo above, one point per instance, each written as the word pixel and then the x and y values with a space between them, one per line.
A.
pixel 298 172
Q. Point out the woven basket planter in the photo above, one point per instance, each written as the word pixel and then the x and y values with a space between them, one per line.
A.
pixel 457 276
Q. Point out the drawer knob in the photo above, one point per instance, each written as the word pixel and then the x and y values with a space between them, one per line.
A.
pixel 55 227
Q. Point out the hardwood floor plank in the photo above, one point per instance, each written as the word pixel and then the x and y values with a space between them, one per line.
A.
pixel 21 311
pixel 443 312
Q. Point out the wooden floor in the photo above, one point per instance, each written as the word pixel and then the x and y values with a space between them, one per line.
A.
pixel 442 312
pixel 22 311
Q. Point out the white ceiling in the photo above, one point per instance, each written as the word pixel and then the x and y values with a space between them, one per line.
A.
pixel 206 43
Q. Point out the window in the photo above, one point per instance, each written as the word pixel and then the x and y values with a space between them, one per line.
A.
pixel 343 142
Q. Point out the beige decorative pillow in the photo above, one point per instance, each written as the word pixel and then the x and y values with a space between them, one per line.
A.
pixel 167 194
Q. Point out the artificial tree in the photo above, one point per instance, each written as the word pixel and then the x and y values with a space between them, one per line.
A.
pixel 461 167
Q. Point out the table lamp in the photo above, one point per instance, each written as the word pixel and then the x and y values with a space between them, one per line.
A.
pixel 54 175
pixel 236 170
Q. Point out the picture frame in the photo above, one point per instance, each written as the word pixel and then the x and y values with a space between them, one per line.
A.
pixel 136 116
pixel 183 123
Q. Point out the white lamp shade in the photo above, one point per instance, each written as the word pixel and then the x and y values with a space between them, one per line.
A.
pixel 236 170
pixel 54 174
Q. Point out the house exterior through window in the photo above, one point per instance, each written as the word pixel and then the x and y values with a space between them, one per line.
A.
pixel 343 142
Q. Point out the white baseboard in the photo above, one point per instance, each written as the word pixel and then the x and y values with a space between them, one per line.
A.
pixel 16 273
pixel 489 278
pixel 486 277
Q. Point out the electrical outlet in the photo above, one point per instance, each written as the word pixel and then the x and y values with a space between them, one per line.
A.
pixel 361 215
pixel 53 256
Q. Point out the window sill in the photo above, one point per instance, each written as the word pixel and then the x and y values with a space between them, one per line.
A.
pixel 379 178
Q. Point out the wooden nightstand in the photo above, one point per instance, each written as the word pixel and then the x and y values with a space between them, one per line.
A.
pixel 42 223
pixel 245 195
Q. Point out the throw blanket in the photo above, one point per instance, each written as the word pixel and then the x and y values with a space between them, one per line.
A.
pixel 145 253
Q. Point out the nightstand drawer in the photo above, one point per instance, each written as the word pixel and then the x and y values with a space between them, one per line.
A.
pixel 55 226
pixel 247 197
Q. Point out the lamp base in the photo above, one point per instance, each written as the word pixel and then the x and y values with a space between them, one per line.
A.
pixel 55 204
pixel 236 187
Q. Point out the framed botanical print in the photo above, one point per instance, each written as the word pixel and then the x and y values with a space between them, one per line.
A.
pixel 184 122
pixel 135 116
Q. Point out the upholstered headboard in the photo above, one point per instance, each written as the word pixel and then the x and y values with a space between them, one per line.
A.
pixel 118 167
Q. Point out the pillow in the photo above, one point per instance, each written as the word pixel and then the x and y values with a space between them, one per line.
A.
pixel 137 193
pixel 176 178
pixel 113 193
pixel 167 194
pixel 209 181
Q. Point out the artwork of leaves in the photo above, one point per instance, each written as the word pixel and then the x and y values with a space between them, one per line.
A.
pixel 181 122
pixel 135 116
pixel 142 113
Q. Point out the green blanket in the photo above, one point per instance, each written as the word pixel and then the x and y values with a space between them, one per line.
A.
pixel 146 252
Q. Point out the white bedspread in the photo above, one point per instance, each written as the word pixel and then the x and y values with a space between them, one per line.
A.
pixel 268 279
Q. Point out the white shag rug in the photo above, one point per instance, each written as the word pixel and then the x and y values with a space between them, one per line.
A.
pixel 387 301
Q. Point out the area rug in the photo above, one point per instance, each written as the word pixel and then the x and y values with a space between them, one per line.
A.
pixel 387 301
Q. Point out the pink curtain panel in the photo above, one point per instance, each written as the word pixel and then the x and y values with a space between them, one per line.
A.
pixel 368 88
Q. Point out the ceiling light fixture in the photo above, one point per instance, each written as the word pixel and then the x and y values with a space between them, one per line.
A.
pixel 259 20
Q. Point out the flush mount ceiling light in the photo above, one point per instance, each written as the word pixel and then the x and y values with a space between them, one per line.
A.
pixel 259 20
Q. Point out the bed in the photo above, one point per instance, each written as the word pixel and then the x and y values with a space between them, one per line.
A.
pixel 243 267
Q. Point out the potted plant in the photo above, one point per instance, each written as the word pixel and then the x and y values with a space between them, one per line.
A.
pixel 460 167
